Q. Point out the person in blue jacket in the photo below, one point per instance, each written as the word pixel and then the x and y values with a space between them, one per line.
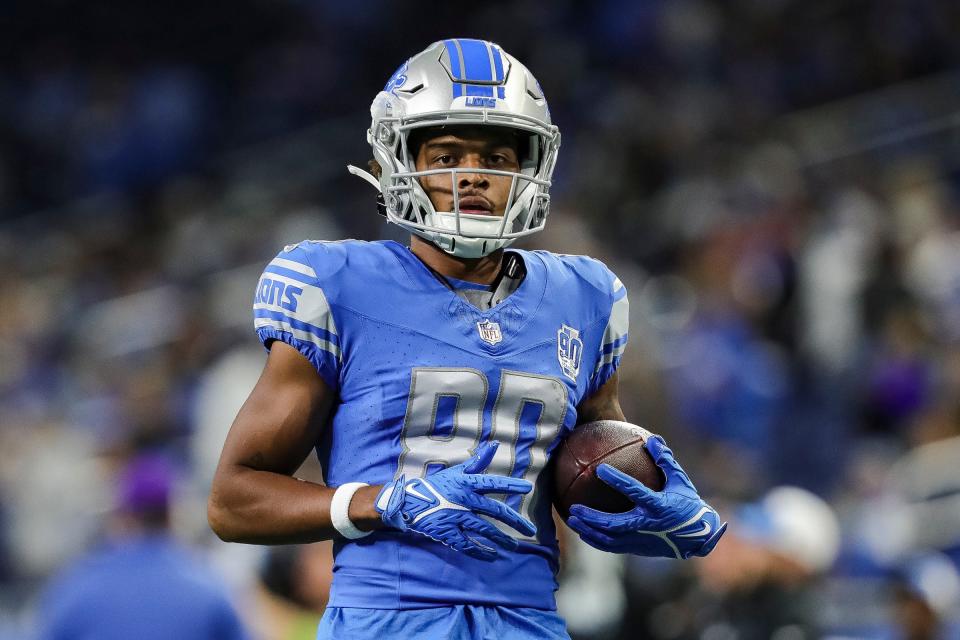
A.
pixel 142 583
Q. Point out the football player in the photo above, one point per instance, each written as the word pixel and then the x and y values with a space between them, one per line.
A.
pixel 434 380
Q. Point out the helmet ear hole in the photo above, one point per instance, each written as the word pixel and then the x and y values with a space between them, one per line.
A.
pixel 386 135
pixel 381 205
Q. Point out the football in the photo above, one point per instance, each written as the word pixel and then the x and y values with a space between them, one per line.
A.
pixel 619 444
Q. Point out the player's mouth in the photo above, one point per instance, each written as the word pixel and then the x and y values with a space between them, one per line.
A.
pixel 476 205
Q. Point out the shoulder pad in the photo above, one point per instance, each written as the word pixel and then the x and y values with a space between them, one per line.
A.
pixel 585 269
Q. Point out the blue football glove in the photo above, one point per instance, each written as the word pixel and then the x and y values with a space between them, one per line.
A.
pixel 446 506
pixel 673 523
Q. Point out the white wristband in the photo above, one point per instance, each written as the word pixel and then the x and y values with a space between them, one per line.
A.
pixel 340 511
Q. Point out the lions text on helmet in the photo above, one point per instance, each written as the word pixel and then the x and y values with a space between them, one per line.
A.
pixel 474 200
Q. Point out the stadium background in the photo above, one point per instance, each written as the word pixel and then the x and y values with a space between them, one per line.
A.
pixel 775 181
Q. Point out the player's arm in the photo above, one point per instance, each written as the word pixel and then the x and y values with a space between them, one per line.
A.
pixel 603 404
pixel 254 497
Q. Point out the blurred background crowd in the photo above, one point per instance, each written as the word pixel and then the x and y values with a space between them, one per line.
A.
pixel 777 182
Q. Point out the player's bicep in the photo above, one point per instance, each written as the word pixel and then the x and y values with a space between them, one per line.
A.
pixel 283 417
pixel 602 404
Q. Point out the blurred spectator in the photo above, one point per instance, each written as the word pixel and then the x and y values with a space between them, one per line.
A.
pixel 142 584
pixel 592 597
pixel 926 595
pixel 295 587
pixel 765 578
pixel 760 582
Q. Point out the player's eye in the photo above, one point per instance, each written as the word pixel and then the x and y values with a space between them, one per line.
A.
pixel 500 160
pixel 445 159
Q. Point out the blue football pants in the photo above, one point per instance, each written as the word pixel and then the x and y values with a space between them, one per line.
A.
pixel 459 622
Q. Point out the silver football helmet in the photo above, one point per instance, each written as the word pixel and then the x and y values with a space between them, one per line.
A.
pixel 462 82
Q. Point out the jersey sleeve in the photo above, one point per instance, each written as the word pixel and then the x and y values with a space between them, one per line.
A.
pixel 290 305
pixel 615 334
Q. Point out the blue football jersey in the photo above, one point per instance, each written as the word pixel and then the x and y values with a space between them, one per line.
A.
pixel 423 377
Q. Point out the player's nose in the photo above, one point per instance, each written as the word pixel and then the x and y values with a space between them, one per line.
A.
pixel 467 179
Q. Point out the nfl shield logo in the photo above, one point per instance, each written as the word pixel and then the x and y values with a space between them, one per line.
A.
pixel 489 332
pixel 569 351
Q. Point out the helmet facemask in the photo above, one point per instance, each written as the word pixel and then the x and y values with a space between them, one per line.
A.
pixel 524 212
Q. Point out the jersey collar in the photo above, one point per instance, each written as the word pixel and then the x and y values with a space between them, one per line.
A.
pixel 526 297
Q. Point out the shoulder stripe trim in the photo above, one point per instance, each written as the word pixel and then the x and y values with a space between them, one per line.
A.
pixel 610 357
pixel 320 359
pixel 617 285
pixel 607 361
pixel 616 344
pixel 603 372
pixel 619 321
pixel 300 324
pixel 294 266
pixel 281 319
pixel 299 334
pixel 290 273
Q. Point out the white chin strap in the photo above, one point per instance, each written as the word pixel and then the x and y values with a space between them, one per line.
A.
pixel 471 225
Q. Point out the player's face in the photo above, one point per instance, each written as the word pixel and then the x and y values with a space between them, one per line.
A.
pixel 473 147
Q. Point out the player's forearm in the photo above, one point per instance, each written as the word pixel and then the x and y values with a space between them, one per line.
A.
pixel 261 507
